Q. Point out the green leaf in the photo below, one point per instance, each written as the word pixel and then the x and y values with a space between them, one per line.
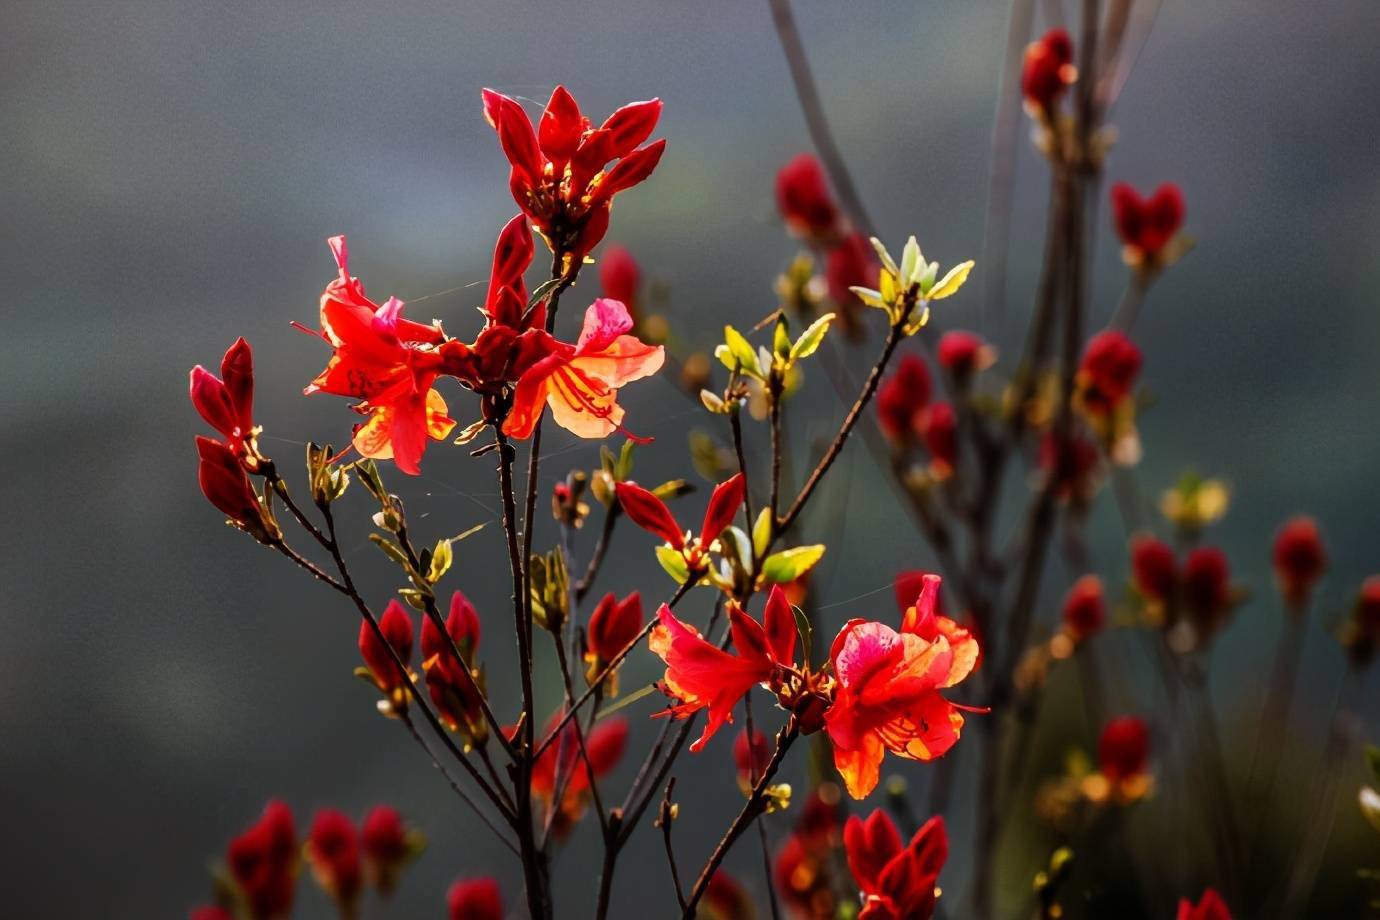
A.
pixel 736 546
pixel 789 564
pixel 762 532
pixel 712 402
pixel 416 599
pixel 391 550
pixel 368 473
pixel 674 563
pixel 888 263
pixel 807 632
pixel 781 339
pixel 911 263
pixel 811 338
pixel 951 281
pixel 538 295
pixel 624 467
pixel 441 559
pixel 607 462
pixel 741 351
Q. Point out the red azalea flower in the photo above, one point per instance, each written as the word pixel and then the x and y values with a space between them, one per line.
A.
pixel 227 402
pixel 462 627
pixel 651 514
pixel 621 278
pixel 1123 748
pixel 1207 583
pixel 558 177
pixel 475 899
pixel 963 354
pixel 1085 609
pixel 941 438
pixel 703 676
pixel 612 626
pixel 1146 225
pixel 605 743
pixel 263 863
pixel 581 382
pixel 750 756
pixel 804 200
pixel 1299 559
pixel 1047 70
pixel 333 852
pixel 384 838
pixel 897 883
pixel 908 586
pixel 887 697
pixel 387 362
pixel 1154 570
pixel 902 397
pixel 396 626
pixel 1211 907
pixel 1107 374
pixel 226 485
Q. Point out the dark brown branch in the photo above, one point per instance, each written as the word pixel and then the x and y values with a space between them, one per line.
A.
pixel 665 820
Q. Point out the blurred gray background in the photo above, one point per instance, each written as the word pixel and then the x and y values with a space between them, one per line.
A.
pixel 171 171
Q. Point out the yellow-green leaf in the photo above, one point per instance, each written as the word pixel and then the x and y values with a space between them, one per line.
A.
pixel 741 350
pixel 952 281
pixel 762 532
pixel 674 563
pixel 441 558
pixel 811 338
pixel 789 564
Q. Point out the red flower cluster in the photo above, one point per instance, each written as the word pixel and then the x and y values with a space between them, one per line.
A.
pixel 897 881
pixel 887 696
pixel 903 398
pixel 396 626
pixel 651 514
pixel 227 404
pixel 475 899
pixel 263 864
pixel 1107 374
pixel 453 690
pixel 1147 225
pixel 1047 71
pixel 1299 559
pixel 1209 907
pixel 1201 588
pixel 558 177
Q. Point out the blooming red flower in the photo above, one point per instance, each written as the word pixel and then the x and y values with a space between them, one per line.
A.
pixel 605 743
pixel 227 402
pixel 1123 748
pixel 804 200
pixel 226 485
pixel 941 438
pixel 263 863
pixel 580 382
pixel 396 626
pixel 897 882
pixel 1107 374
pixel 333 852
pixel 902 397
pixel 651 514
pixel 612 626
pixel 750 755
pixel 702 676
pixel 1207 583
pixel 621 278
pixel 1210 907
pixel 963 354
pixel 1299 558
pixel 1154 570
pixel 387 362
pixel 558 177
pixel 475 899
pixel 1085 609
pixel 908 586
pixel 1146 225
pixel 1047 70
pixel 887 696
pixel 384 839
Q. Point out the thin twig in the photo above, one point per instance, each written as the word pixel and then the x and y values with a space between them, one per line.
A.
pixel 455 786
pixel 665 820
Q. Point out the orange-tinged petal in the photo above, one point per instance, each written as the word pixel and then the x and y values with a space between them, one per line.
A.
pixel 374 439
pixel 860 768
pixel 624 360
pixel 583 406
pixel 438 424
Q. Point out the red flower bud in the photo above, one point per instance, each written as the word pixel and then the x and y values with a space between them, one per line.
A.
pixel 1211 907
pixel 902 397
pixel 1207 581
pixel 462 627
pixel 263 862
pixel 1111 362
pixel 963 354
pixel 871 843
pixel 1048 69
pixel 333 851
pixel 475 899
pixel 1085 610
pixel 1145 225
pixel 724 503
pixel 614 624
pixel 225 485
pixel 1124 748
pixel 896 881
pixel 750 755
pixel 941 438
pixel 227 402
pixel 1153 568
pixel 383 836
pixel 620 277
pixel 1368 605
pixel 804 200
pixel 851 263
pixel 908 585
pixel 1299 558
pixel 396 626
pixel 649 512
